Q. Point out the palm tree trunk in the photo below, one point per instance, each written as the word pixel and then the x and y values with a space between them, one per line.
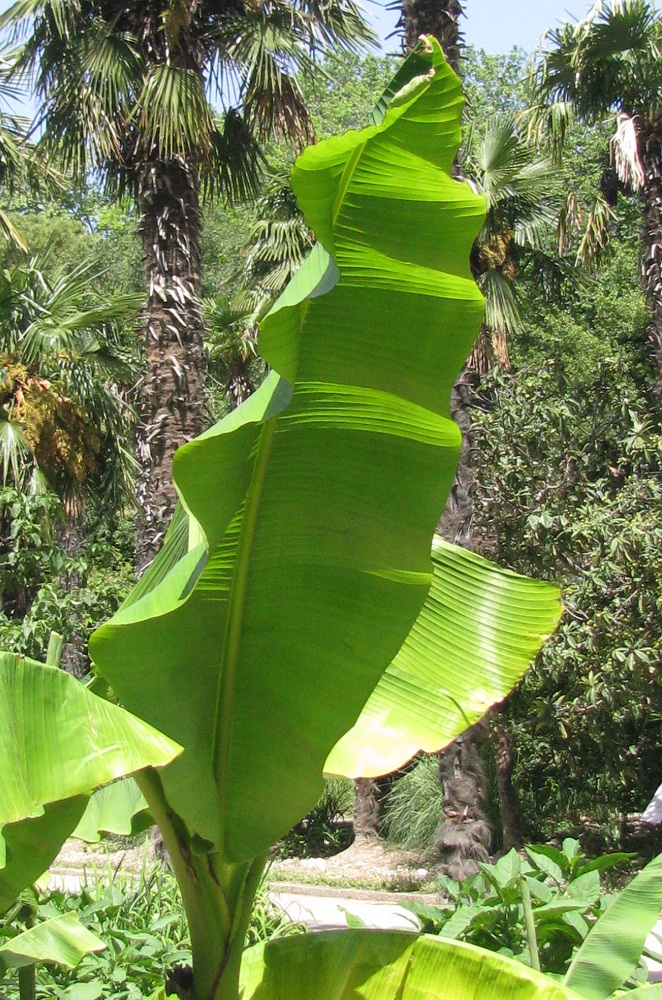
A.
pixel 170 401
pixel 434 17
pixel 366 809
pixel 420 17
pixel 651 158
pixel 504 763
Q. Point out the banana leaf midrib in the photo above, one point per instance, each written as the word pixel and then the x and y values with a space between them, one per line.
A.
pixel 236 602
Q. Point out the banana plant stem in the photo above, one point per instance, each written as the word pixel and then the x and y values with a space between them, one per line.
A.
pixel 530 924
pixel 27 988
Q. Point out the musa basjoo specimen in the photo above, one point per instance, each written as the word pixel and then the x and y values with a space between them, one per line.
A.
pixel 309 513
pixel 311 510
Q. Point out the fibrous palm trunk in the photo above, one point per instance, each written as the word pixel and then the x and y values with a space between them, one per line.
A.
pixel 434 17
pixel 366 809
pixel 465 827
pixel 650 141
pixel 170 401
pixel 504 764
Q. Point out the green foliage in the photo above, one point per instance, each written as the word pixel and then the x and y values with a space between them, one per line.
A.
pixel 51 582
pixel 343 95
pixel 568 486
pixel 64 420
pixel 488 909
pixel 495 85
pixel 412 808
pixel 320 833
pixel 144 927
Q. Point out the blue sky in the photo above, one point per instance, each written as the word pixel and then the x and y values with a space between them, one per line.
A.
pixel 497 25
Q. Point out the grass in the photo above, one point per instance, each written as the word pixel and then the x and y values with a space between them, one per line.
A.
pixel 413 806
pixel 395 882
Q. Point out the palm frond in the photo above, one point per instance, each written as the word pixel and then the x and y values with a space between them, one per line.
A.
pixel 625 152
pixel 14 448
pixel 338 23
pixel 173 113
pixel 235 165
pixel 596 236
pixel 501 307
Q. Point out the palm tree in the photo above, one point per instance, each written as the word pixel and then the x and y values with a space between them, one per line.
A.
pixel 611 64
pixel 440 18
pixel 124 91
pixel 65 422
pixel 523 199
pixel 235 368
pixel 277 244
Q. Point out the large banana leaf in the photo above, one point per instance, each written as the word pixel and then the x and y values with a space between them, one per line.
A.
pixel 479 629
pixel 318 497
pixel 379 965
pixel 611 950
pixel 57 743
pixel 61 939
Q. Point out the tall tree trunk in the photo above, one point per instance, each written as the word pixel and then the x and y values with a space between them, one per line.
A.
pixel 366 809
pixel 170 402
pixel 434 17
pixel 464 836
pixel 504 763
pixel 651 158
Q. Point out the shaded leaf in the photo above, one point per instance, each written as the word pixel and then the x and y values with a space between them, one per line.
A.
pixel 62 940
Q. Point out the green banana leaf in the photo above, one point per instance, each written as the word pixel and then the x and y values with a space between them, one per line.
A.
pixel 62 940
pixel 57 743
pixel 119 809
pixel 611 950
pixel 317 499
pixel 387 965
pixel 653 992
pixel 478 632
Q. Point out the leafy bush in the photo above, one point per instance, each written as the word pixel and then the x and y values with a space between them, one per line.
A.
pixel 57 576
pixel 562 887
pixel 144 927
pixel 322 833
pixel 569 487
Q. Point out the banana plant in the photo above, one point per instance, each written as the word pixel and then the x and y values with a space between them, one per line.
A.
pixel 58 742
pixel 310 510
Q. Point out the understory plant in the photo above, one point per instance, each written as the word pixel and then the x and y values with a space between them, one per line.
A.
pixel 548 912
pixel 296 621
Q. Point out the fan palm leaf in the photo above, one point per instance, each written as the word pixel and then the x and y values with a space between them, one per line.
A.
pixel 609 66
pixel 60 384
pixel 523 199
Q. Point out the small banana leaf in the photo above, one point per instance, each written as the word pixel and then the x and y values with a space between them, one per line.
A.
pixel 119 809
pixel 611 950
pixel 62 940
pixel 387 965
pixel 58 742
pixel 478 632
